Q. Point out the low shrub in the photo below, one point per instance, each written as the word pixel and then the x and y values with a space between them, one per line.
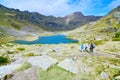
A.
pixel 20 49
pixel 117 35
pixel 99 42
pixel 25 66
pixel 115 39
pixel 4 60
pixel 17 26
pixel 113 72
pixel 30 54
pixel 99 68
pixel 10 52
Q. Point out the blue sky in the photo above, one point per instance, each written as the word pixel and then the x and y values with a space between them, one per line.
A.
pixel 63 7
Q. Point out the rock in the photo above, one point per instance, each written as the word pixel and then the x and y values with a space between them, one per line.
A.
pixel 20 61
pixel 117 78
pixel 12 51
pixel 69 65
pixel 58 49
pixel 5 70
pixel 36 52
pixel 98 38
pixel 42 61
pixel 29 74
pixel 104 75
pixel 5 20
pixel 3 51
pixel 113 66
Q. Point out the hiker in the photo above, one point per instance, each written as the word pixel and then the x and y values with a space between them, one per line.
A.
pixel 82 47
pixel 86 47
pixel 92 46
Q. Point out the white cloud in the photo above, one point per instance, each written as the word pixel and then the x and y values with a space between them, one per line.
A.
pixel 113 4
pixel 49 7
pixel 58 7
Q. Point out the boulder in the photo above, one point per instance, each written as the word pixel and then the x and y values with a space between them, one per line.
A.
pixel 3 51
pixel 20 61
pixel 104 75
pixel 42 61
pixel 58 49
pixel 69 65
pixel 29 74
pixel 8 69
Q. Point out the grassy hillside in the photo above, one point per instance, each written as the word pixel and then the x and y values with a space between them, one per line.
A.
pixel 105 28
pixel 10 27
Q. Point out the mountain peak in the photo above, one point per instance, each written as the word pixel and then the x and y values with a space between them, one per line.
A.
pixel 79 18
pixel 75 14
pixel 1 5
pixel 78 13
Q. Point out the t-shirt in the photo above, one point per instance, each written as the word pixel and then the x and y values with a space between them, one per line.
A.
pixel 86 45
pixel 92 46
pixel 82 47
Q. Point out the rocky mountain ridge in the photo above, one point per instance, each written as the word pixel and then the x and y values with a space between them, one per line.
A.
pixel 49 23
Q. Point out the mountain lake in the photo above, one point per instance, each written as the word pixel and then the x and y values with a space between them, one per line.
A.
pixel 55 39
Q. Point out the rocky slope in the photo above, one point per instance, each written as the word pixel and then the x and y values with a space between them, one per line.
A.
pixel 107 27
pixel 77 18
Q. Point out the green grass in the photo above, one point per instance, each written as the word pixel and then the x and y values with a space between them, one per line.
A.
pixel 114 61
pixel 113 72
pixel 99 42
pixel 4 40
pixel 97 63
pixel 10 52
pixel 112 48
pixel 4 60
pixel 21 49
pixel 29 55
pixel 25 66
pixel 117 37
pixel 55 73
pixel 87 76
pixel 116 50
pixel 99 68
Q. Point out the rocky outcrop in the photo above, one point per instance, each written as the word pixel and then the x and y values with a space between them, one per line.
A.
pixel 29 74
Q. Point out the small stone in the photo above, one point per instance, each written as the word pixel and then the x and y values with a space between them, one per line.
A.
pixel 3 51
pixel 104 75
pixel 58 49
pixel 117 78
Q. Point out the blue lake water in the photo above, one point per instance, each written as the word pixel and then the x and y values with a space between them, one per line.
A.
pixel 55 39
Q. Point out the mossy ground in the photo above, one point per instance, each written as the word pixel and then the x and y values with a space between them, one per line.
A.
pixel 55 73
pixel 24 66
